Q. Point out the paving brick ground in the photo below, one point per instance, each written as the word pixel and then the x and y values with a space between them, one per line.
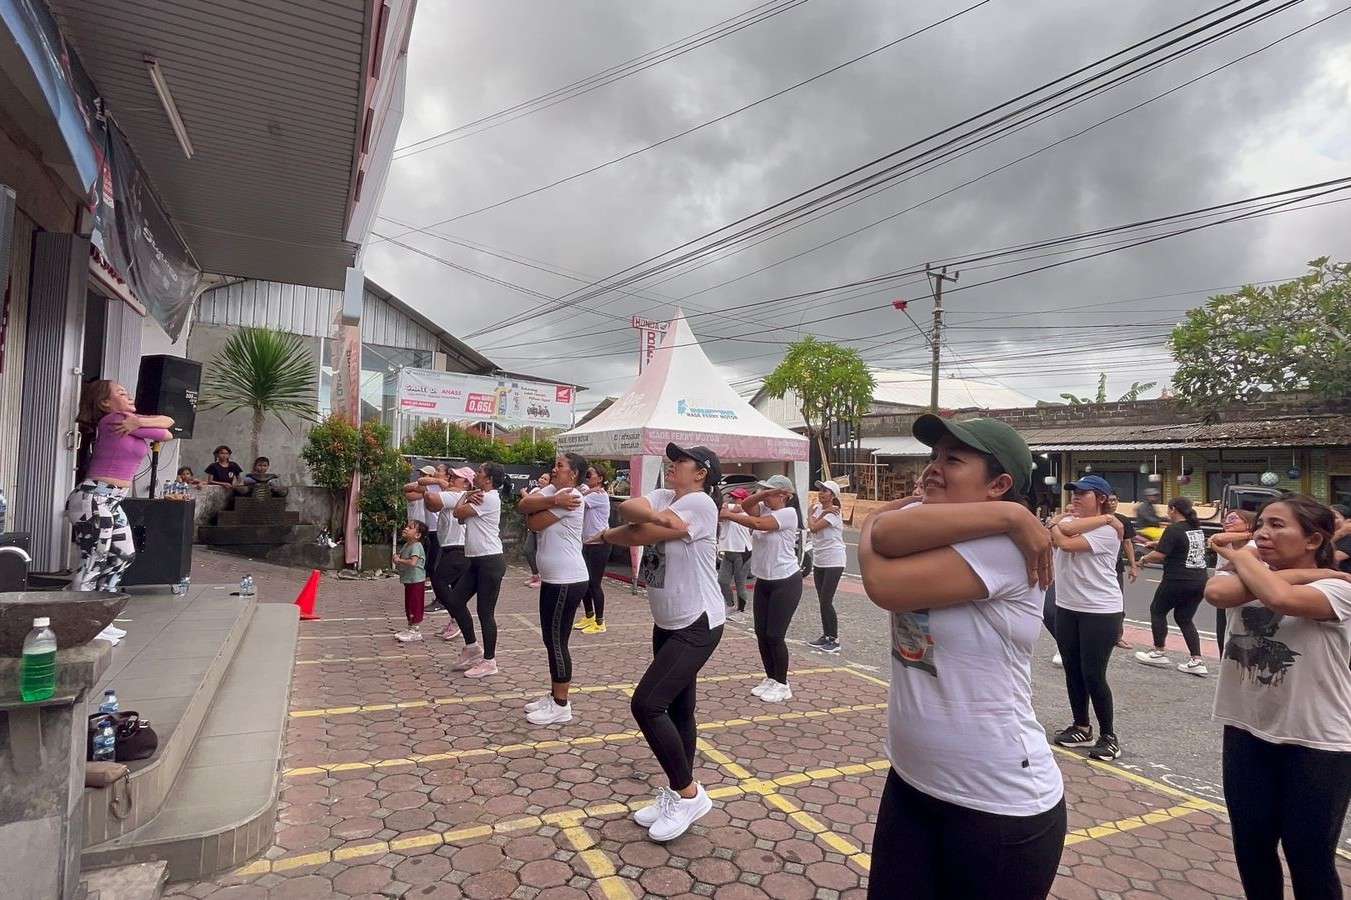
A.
pixel 405 779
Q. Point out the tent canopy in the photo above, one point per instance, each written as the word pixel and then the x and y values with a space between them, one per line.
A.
pixel 680 397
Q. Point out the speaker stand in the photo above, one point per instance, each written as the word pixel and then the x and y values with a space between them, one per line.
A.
pixel 154 468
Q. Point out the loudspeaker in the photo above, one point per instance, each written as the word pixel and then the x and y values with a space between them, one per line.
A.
pixel 162 532
pixel 168 386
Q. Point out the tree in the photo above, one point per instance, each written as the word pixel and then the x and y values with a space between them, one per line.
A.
pixel 1290 336
pixel 333 452
pixel 831 383
pixel 266 372
pixel 1138 388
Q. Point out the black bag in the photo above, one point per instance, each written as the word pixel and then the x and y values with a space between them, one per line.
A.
pixel 135 738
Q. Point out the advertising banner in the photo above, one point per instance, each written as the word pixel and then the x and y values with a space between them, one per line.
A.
pixel 650 334
pixel 460 397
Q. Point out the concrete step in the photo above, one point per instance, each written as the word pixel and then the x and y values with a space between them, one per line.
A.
pixel 225 536
pixel 249 517
pixel 140 881
pixel 304 555
pixel 222 810
pixel 167 668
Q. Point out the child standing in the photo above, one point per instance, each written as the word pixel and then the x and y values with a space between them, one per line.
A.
pixel 411 561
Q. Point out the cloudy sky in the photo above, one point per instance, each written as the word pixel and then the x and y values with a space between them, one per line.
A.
pixel 1276 120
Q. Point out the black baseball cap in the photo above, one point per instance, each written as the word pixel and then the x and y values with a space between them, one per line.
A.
pixel 986 435
pixel 704 457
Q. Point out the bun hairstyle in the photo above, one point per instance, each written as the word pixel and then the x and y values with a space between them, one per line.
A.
pixel 1314 519
pixel 498 477
pixel 1183 507
pixel 579 465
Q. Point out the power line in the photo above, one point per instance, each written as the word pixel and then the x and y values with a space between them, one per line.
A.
pixel 600 79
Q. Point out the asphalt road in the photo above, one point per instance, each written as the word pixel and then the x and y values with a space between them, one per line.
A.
pixel 1162 716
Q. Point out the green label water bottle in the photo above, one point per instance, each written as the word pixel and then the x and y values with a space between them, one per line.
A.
pixel 38 670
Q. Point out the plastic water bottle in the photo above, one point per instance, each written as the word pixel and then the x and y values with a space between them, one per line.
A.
pixel 246 588
pixel 109 705
pixel 38 669
pixel 105 741
pixel 183 584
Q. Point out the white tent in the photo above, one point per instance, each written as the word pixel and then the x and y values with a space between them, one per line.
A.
pixel 679 397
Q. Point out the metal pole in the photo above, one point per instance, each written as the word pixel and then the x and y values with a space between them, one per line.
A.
pixel 936 337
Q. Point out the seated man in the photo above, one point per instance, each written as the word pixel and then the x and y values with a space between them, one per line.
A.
pixel 260 481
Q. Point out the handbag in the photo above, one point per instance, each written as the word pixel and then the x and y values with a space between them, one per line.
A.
pixel 135 738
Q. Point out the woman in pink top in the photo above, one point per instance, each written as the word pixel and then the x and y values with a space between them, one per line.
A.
pixel 121 441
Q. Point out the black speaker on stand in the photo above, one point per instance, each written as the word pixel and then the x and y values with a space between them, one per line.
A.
pixel 162 533
pixel 168 386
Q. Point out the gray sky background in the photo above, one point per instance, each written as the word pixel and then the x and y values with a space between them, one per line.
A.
pixel 1277 120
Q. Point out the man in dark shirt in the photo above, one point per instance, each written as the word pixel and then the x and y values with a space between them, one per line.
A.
pixel 1124 557
pixel 224 470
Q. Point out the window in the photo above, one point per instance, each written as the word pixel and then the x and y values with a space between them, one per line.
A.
pixel 379 378
pixel 1215 481
pixel 1340 489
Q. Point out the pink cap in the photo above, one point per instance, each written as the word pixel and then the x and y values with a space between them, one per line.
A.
pixel 464 472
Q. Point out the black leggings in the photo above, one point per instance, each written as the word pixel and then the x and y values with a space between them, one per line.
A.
pixel 663 702
pixel 925 848
pixel 596 556
pixel 1048 610
pixel 773 606
pixel 557 610
pixel 1291 795
pixel 826 581
pixel 432 545
pixel 1183 598
pixel 1219 629
pixel 1086 641
pixel 451 564
pixel 483 577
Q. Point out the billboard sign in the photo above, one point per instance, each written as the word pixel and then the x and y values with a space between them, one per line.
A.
pixel 460 397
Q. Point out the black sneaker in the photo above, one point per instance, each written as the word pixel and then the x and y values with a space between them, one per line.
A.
pixel 830 646
pixel 1075 736
pixel 820 643
pixel 1106 748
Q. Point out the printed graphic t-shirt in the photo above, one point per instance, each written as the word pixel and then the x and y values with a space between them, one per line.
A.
pixel 1086 582
pixel 1285 679
pixel 1127 534
pixel 682 575
pixel 483 532
pixel 1184 553
pixel 559 553
pixel 960 721
pixel 828 543
pixel 774 553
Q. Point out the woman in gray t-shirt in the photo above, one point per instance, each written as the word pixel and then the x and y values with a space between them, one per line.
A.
pixel 1285 699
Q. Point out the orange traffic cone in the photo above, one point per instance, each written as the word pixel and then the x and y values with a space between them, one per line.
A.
pixel 307 598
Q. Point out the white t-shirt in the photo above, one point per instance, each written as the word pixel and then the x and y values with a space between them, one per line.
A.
pixel 417 510
pixel 683 584
pixel 428 517
pixel 559 548
pixel 960 724
pixel 733 537
pixel 828 543
pixel 449 530
pixel 1287 680
pixel 1086 582
pixel 774 553
pixel 482 533
pixel 596 513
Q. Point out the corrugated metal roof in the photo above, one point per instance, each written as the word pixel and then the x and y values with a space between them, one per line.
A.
pixel 272 95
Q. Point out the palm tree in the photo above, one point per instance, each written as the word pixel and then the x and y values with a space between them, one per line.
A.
pixel 266 372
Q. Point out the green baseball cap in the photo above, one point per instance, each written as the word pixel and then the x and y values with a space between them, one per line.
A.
pixel 986 435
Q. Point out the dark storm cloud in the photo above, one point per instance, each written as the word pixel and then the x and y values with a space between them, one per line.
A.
pixel 1275 121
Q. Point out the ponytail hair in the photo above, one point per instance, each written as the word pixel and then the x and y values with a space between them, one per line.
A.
pixel 1183 507
pixel 498 477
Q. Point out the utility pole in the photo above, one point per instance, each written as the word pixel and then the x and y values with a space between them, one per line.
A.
pixel 936 336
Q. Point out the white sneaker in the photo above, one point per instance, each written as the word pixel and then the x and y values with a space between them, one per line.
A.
pixel 1155 658
pixel 763 686
pixel 677 814
pixel 1057 661
pixel 553 714
pixel 408 636
pixel 470 656
pixel 1194 666
pixel 649 814
pixel 777 693
pixel 539 703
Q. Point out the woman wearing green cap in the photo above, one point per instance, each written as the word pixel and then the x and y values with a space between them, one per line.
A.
pixel 775 520
pixel 974 802
pixel 1088 611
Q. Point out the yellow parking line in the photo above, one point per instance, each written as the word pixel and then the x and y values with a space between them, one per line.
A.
pixel 1144 781
pixel 560 743
pixel 837 842
pixel 430 657
pixel 600 866
pixel 516 695
pixel 1130 823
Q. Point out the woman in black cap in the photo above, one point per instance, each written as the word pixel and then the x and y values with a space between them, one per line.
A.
pixel 974 802
pixel 680 526
pixel 775 520
pixel 1089 609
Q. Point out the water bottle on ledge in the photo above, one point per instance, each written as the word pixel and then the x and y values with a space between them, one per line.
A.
pixel 109 706
pixel 105 741
pixel 183 584
pixel 246 588
pixel 37 672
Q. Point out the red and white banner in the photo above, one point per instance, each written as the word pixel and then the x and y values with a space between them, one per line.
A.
pixel 649 339
pixel 460 397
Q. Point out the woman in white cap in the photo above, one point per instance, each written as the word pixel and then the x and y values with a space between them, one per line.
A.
pixel 775 520
pixel 974 802
pixel 452 563
pixel 679 524
pixel 480 509
pixel 556 515
pixel 1088 611
pixel 826 523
